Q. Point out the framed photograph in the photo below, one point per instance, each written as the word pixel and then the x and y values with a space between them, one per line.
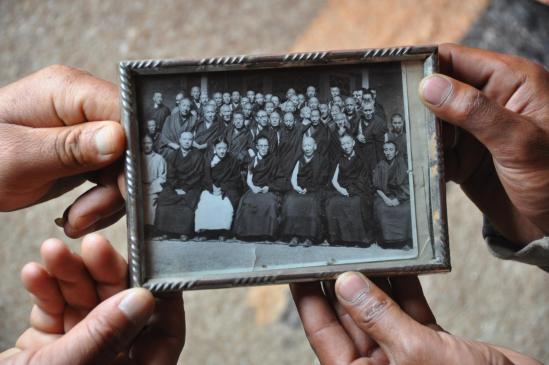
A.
pixel 249 170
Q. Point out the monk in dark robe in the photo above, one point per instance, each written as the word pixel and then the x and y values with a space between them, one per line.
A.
pixel 397 134
pixel 351 114
pixel 207 130
pixel 392 201
pixel 257 214
pixel 225 115
pixel 154 133
pixel 239 140
pixel 301 209
pixel 275 130
pixel 289 149
pixel 159 111
pixel 341 129
pixel 195 100
pixel 349 210
pixel 320 133
pixel 370 135
pixel 222 189
pixel 260 125
pixel 177 123
pixel 178 199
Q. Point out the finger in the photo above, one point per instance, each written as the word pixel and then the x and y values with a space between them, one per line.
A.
pixel 496 74
pixel 66 96
pixel 163 339
pixel 51 153
pixel 364 344
pixel 104 222
pixel 104 333
pixel 91 208
pixel 5 355
pixel 46 322
pixel 43 288
pixel 466 107
pixel 407 292
pixel 73 279
pixel 106 266
pixel 35 339
pixel 379 316
pixel 326 335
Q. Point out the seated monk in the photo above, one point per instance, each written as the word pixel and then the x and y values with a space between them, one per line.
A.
pixel 177 202
pixel 219 200
pixel 153 177
pixel 301 210
pixel 256 216
pixel 392 201
pixel 349 210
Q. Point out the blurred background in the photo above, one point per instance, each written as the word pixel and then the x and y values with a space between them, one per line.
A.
pixel 483 298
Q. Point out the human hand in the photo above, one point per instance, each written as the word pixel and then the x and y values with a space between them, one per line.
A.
pixel 265 189
pixel 501 158
pixel 174 146
pixel 395 202
pixel 299 190
pixel 343 191
pixel 82 314
pixel 361 138
pixel 256 189
pixel 217 190
pixel 58 128
pixel 358 323
pixel 180 192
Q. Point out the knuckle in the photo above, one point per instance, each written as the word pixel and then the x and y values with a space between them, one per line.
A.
pixel 370 310
pixel 103 337
pixel 68 149
pixel 475 106
pixel 62 71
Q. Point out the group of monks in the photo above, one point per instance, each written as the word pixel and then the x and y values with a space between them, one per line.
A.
pixel 279 168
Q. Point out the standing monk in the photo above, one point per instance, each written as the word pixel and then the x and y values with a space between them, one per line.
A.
pixel 370 135
pixel 207 130
pixel 397 134
pixel 319 132
pixel 239 140
pixel 154 176
pixel 289 148
pixel 177 123
pixel 159 111
pixel 178 199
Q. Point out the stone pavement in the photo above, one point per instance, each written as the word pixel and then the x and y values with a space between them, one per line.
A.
pixel 483 298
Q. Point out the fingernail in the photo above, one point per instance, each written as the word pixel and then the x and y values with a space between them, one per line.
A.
pixel 60 222
pixel 435 89
pixel 104 141
pixel 136 305
pixel 351 287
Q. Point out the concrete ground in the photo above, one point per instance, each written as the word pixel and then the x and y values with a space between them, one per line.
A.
pixel 482 298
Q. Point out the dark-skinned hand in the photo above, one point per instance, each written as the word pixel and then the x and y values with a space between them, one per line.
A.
pixel 82 313
pixel 60 127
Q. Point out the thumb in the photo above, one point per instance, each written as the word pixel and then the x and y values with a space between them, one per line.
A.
pixel 466 107
pixel 65 151
pixel 105 332
pixel 379 316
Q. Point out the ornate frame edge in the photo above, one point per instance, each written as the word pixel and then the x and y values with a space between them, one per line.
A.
pixel 136 254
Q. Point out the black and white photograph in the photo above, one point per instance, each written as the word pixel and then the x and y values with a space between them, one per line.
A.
pixel 276 168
